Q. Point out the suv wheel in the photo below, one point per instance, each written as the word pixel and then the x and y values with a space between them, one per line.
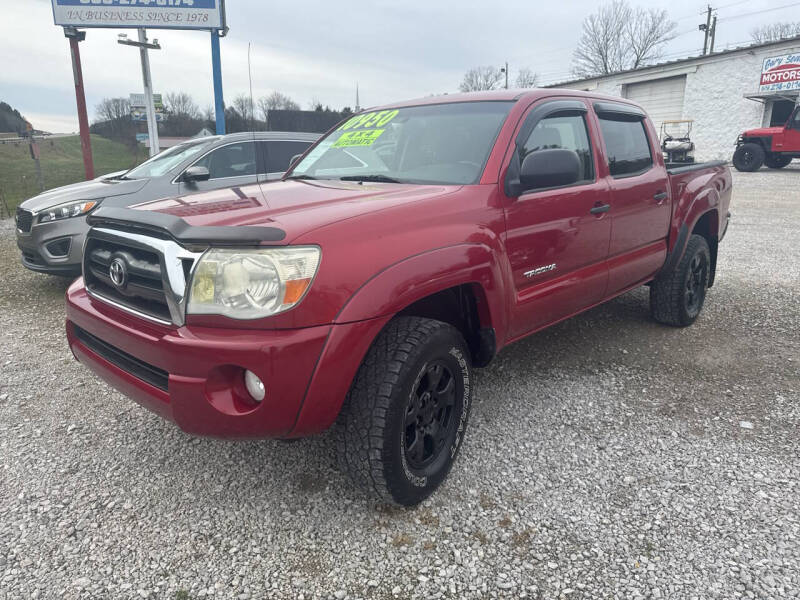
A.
pixel 677 298
pixel 777 161
pixel 403 420
pixel 748 157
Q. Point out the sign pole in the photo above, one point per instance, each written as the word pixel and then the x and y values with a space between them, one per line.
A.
pixel 216 69
pixel 152 124
pixel 76 36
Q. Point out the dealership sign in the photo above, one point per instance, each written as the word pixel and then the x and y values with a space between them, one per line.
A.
pixel 153 14
pixel 138 104
pixel 780 73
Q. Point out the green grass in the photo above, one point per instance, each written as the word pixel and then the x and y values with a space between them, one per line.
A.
pixel 62 163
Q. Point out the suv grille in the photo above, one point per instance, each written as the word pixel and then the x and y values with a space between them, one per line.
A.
pixel 24 220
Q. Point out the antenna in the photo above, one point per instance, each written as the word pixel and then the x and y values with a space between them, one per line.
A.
pixel 252 105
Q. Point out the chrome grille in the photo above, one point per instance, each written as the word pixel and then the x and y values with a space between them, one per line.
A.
pixel 155 273
pixel 24 220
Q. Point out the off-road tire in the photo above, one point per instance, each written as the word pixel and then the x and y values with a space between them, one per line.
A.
pixel 748 157
pixel 671 300
pixel 777 161
pixel 372 430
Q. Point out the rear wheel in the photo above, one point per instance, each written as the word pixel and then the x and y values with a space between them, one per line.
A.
pixel 677 298
pixel 404 418
pixel 748 157
pixel 777 161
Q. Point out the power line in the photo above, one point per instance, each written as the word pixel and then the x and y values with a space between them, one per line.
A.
pixel 758 12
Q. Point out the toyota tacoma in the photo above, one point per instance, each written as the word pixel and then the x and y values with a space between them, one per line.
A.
pixel 404 249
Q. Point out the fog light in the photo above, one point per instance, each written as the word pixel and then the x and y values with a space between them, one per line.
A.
pixel 255 386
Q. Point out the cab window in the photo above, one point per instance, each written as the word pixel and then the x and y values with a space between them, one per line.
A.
pixel 568 132
pixel 626 145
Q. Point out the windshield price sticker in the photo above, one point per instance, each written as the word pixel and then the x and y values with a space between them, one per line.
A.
pixel 373 119
pixel 365 137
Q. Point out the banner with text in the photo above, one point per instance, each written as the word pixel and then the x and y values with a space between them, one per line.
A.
pixel 152 14
pixel 780 73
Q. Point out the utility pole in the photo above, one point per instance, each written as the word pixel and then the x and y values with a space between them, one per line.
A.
pixel 713 33
pixel 505 70
pixel 75 37
pixel 706 27
pixel 144 46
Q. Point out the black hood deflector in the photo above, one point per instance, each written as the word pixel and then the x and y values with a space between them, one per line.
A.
pixel 164 225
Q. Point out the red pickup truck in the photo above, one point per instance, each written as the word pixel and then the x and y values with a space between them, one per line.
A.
pixel 408 246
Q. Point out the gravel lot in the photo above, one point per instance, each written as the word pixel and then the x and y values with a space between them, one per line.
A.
pixel 608 457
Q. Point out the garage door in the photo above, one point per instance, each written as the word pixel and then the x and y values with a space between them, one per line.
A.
pixel 661 98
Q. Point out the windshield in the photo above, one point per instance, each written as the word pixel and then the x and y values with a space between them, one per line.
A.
pixel 164 161
pixel 437 143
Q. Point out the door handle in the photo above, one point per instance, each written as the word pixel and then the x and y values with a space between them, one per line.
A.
pixel 596 210
pixel 660 196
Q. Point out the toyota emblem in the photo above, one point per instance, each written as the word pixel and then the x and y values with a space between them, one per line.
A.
pixel 118 272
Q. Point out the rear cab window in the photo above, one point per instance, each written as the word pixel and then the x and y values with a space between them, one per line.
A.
pixel 627 145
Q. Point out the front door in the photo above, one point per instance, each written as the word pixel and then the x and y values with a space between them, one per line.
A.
pixel 640 208
pixel 789 139
pixel 557 238
pixel 231 165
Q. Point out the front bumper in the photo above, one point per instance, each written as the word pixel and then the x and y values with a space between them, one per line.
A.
pixel 193 375
pixel 54 248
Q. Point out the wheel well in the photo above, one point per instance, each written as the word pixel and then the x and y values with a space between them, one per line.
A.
pixel 765 143
pixel 707 226
pixel 460 306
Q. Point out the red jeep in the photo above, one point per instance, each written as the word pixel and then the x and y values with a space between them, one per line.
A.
pixel 771 146
pixel 408 246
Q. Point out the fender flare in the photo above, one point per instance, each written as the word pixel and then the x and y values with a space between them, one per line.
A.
pixel 401 284
pixel 700 205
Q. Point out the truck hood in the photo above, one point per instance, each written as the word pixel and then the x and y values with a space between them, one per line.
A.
pixel 763 132
pixel 102 187
pixel 297 207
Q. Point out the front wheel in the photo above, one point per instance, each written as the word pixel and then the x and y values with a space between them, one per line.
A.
pixel 777 161
pixel 404 419
pixel 677 298
pixel 748 157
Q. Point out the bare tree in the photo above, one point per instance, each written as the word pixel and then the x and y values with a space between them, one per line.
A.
pixel 182 104
pixel 209 116
pixel 618 37
pixel 774 32
pixel 276 101
pixel 113 109
pixel 526 78
pixel 481 78
pixel 243 105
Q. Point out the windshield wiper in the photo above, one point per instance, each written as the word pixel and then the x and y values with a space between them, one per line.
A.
pixel 376 178
pixel 302 176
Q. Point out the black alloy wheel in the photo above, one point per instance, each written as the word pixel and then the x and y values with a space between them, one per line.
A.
pixel 430 419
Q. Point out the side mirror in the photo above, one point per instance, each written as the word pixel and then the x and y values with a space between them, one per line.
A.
pixel 294 160
pixel 555 167
pixel 194 174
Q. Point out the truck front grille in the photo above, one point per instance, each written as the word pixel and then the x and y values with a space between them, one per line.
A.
pixel 24 220
pixel 142 275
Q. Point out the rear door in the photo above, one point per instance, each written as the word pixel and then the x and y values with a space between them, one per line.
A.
pixel 275 155
pixel 640 209
pixel 556 244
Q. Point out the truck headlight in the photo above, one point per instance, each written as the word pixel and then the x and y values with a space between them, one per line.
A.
pixel 251 283
pixel 67 210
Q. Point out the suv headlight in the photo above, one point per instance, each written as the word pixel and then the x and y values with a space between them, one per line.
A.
pixel 251 283
pixel 67 210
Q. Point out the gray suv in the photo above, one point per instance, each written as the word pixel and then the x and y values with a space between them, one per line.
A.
pixel 51 226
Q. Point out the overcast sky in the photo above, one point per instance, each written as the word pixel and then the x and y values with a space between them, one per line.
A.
pixel 318 49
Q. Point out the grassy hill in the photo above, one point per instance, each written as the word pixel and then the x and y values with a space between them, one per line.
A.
pixel 62 163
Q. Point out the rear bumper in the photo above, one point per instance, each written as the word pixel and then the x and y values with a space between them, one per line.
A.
pixel 193 376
